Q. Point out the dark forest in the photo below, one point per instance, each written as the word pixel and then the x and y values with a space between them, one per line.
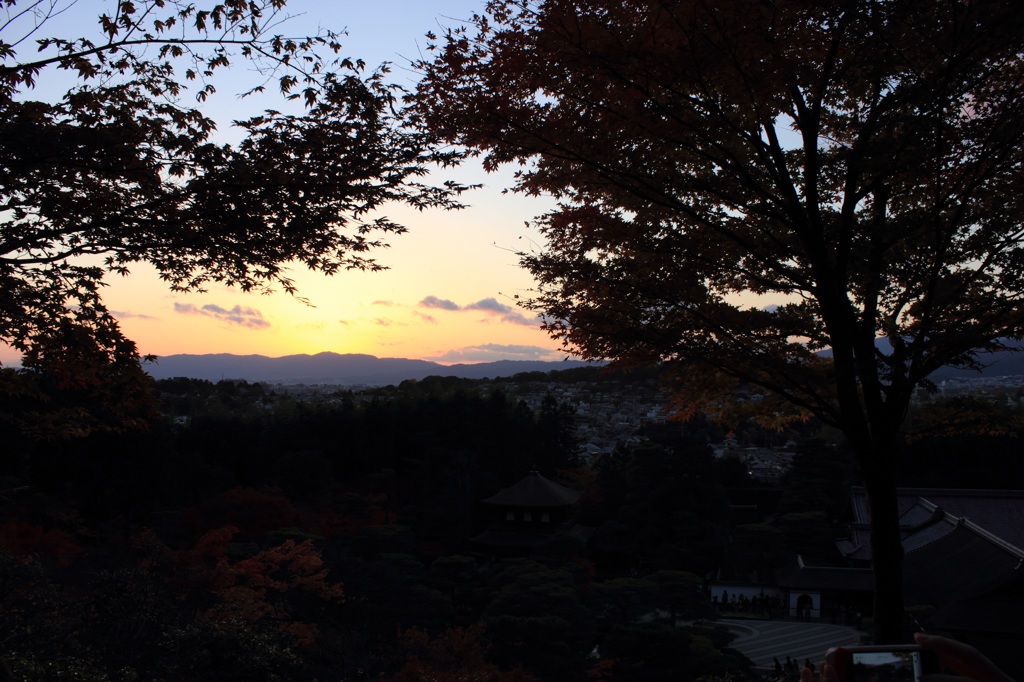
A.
pixel 247 534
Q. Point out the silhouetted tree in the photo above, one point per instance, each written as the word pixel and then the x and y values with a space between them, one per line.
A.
pixel 742 187
pixel 121 170
pixel 558 446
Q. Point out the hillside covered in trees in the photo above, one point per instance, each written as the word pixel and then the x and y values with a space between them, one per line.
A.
pixel 249 535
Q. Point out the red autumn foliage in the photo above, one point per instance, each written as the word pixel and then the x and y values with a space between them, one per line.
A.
pixel 458 655
pixel 22 538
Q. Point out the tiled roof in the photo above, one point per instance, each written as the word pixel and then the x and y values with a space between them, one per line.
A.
pixel 1000 512
pixel 917 515
pixel 964 556
pixel 928 534
pixel 535 491
pixel 928 514
pixel 948 569
pixel 804 577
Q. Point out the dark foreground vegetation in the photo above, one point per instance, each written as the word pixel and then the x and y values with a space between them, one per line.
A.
pixel 247 535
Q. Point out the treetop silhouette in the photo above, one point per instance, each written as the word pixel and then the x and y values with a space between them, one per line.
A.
pixel 121 169
pixel 754 193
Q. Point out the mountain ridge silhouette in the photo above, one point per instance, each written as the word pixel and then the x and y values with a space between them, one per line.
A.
pixel 351 369
pixel 335 368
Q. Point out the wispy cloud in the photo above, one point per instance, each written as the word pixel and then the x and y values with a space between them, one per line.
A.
pixel 490 352
pixel 491 306
pixel 504 312
pixel 384 303
pixel 440 303
pixel 245 317
pixel 126 314
pixel 429 319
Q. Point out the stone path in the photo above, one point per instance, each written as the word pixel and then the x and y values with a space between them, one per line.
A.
pixel 761 640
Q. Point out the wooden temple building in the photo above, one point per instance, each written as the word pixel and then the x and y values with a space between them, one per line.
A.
pixel 524 516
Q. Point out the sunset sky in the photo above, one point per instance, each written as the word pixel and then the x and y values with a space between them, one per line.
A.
pixel 449 295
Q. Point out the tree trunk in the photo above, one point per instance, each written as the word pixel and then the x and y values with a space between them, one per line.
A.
pixel 886 546
pixel 872 428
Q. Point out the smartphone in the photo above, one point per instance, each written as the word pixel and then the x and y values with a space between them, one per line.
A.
pixel 896 663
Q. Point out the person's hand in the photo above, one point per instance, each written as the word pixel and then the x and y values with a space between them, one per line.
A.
pixel 828 673
pixel 967 662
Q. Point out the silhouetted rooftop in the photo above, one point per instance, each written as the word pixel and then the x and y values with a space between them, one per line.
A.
pixel 806 577
pixel 535 491
pixel 929 514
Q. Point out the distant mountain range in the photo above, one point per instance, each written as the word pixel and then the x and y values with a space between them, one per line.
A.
pixel 1001 363
pixel 334 368
pixel 368 370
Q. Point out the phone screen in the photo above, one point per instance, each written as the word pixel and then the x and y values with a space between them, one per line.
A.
pixel 885 666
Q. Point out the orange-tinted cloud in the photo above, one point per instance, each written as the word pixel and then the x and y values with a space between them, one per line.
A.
pixel 242 316
pixel 504 312
pixel 429 319
pixel 490 352
pixel 491 306
pixel 440 303
pixel 127 314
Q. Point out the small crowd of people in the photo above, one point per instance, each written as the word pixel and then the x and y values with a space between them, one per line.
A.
pixel 790 669
pixel 761 604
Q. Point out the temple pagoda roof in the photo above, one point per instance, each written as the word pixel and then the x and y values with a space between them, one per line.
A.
pixel 535 491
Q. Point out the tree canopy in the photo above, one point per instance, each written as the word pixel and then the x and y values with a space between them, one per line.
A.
pixel 819 200
pixel 120 167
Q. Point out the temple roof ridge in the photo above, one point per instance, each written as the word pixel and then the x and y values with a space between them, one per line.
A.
pixel 535 490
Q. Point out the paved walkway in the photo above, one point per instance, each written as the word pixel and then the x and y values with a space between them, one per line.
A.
pixel 762 640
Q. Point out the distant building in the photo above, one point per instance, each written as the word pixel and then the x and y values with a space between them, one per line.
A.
pixel 528 514
pixel 963 568
pixel 835 594
pixel 964 563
